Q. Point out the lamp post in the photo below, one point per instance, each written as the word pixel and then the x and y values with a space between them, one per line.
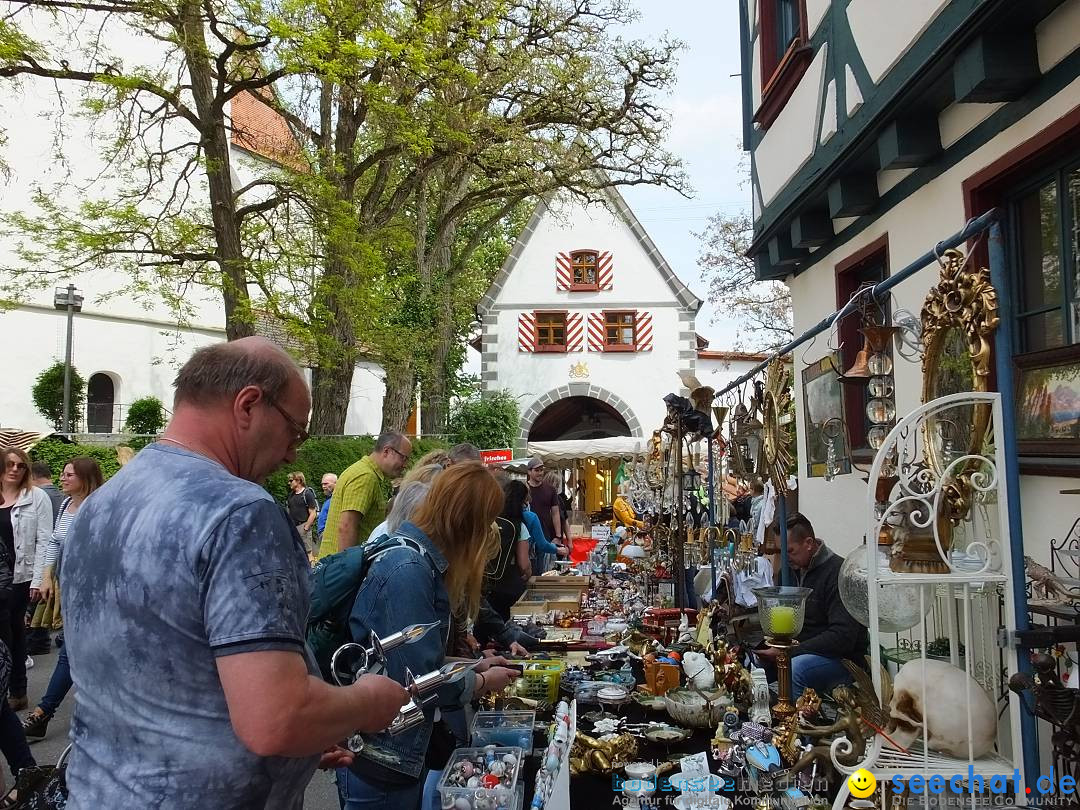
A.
pixel 67 298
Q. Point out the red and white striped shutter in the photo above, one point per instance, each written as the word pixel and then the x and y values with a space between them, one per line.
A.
pixel 564 272
pixel 643 331
pixel 526 332
pixel 575 333
pixel 596 331
pixel 605 270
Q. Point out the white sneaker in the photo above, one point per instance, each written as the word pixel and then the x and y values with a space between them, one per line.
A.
pixel 29 662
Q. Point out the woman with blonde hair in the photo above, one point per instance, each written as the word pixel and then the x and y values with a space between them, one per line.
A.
pixel 436 571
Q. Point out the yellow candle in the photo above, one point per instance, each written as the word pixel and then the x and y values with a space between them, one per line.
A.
pixel 782 619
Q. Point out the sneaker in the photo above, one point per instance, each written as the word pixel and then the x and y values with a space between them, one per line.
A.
pixel 29 662
pixel 36 724
pixel 59 640
pixel 17 704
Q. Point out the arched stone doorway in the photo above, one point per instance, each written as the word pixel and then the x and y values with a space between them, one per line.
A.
pixel 100 403
pixel 577 418
pixel 577 411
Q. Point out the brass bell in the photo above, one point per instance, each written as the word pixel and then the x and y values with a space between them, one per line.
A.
pixel 859 372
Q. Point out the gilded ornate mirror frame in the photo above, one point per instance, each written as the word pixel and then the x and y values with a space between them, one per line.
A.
pixel 963 299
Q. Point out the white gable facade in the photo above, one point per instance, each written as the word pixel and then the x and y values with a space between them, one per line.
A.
pixel 585 307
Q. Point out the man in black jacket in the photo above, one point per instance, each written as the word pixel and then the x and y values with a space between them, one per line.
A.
pixel 829 632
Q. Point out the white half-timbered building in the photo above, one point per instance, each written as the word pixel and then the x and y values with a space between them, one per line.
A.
pixel 587 324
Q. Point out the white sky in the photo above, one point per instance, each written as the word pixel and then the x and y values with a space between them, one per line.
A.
pixel 706 130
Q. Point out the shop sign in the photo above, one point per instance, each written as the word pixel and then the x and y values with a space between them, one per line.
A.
pixel 497 456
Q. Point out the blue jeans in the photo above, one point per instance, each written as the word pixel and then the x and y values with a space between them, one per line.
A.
pixel 59 684
pixel 432 799
pixel 817 672
pixel 355 793
pixel 13 741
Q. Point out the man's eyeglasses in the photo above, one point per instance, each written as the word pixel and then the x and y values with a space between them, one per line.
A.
pixel 301 431
pixel 403 456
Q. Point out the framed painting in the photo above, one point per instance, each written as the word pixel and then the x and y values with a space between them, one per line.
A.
pixel 1048 403
pixel 823 411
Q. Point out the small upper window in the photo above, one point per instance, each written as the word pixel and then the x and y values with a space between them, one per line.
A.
pixel 583 265
pixel 784 52
pixel 787 28
pixel 619 332
pixel 551 331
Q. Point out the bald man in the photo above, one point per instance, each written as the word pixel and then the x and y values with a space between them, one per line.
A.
pixel 185 606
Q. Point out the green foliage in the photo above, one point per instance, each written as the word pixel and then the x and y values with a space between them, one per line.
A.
pixel 490 421
pixel 145 417
pixel 48 393
pixel 56 453
pixel 316 457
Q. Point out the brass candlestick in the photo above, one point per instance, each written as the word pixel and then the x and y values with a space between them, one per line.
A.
pixel 783 708
pixel 781 611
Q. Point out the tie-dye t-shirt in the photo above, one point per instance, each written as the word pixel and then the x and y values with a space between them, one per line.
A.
pixel 171 564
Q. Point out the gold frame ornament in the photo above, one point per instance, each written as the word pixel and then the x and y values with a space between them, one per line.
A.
pixel 775 436
pixel 963 299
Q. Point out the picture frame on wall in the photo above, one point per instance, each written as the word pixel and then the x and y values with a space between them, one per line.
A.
pixel 1048 410
pixel 823 412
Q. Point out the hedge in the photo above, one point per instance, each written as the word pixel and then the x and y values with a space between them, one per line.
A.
pixel 57 452
pixel 314 458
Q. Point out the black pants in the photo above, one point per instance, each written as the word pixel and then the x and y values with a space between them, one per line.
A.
pixel 13 743
pixel 13 634
pixel 502 602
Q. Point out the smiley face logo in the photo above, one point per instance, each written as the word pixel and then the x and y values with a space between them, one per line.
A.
pixel 862 783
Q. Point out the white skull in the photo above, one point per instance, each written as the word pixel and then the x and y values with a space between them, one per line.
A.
pixel 948 691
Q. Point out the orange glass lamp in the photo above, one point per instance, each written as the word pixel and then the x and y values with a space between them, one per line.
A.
pixel 781 611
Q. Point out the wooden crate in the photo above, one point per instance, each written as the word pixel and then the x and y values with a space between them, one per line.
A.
pixel 581 583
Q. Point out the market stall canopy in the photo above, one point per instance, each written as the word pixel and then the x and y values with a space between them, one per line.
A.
pixel 22 439
pixel 610 447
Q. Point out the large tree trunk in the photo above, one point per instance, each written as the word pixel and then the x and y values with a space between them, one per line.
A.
pixel 332 390
pixel 332 380
pixel 330 394
pixel 215 142
pixel 436 413
pixel 400 394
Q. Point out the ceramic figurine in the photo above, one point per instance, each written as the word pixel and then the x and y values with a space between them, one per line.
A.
pixel 699 669
pixel 760 712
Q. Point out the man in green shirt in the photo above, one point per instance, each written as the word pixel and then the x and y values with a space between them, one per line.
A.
pixel 359 502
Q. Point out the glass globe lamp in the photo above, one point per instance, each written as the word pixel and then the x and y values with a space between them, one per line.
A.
pixel 881 386
pixel 881 411
pixel 879 364
pixel 898 604
pixel 876 436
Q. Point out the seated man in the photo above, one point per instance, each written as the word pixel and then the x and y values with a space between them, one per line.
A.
pixel 829 632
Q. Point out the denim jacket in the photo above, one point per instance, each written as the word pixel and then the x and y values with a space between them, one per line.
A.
pixel 404 587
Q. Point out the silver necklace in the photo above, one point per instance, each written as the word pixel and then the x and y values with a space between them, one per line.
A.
pixel 176 442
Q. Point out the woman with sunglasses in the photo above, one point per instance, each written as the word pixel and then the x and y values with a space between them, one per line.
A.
pixel 80 477
pixel 25 526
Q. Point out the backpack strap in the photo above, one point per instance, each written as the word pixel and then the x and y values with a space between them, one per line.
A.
pixel 387 543
pixel 60 512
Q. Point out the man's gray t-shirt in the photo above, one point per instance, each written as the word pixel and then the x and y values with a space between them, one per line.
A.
pixel 169 565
